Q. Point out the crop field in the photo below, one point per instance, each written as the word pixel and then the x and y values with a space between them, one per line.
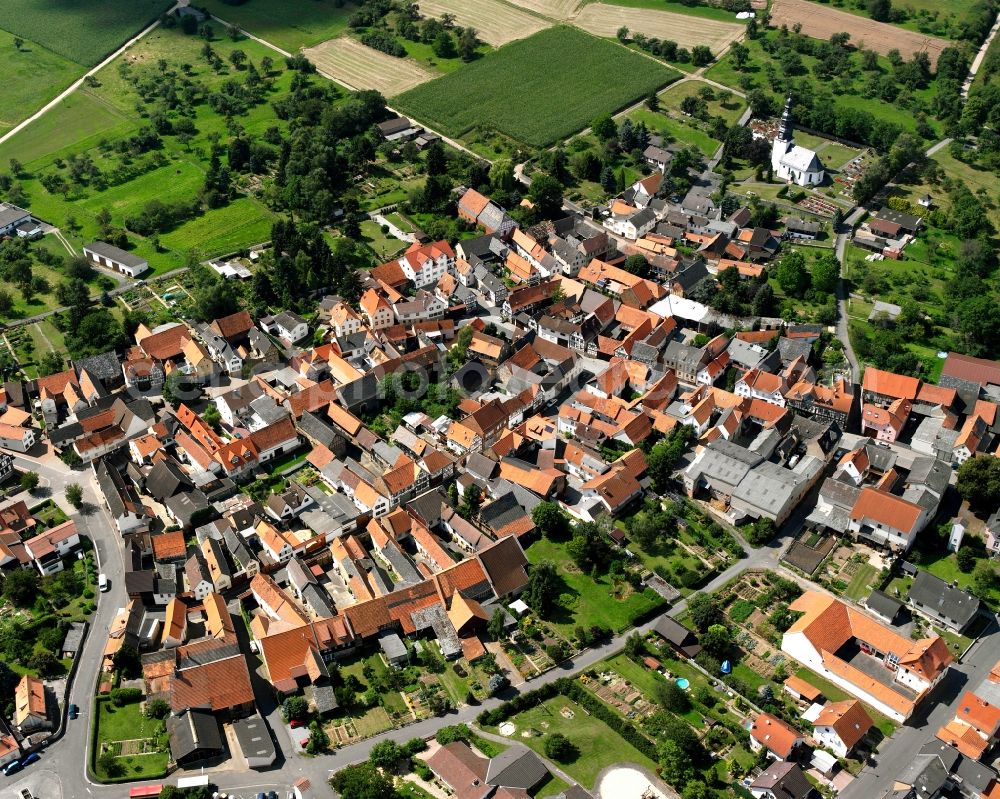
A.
pixel 360 67
pixel 926 16
pixel 605 20
pixel 80 31
pixel 289 24
pixel 558 81
pixel 33 75
pixel 555 9
pixel 496 22
pixel 822 22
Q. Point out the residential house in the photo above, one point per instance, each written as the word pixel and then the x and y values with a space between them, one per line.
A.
pixel 31 706
pixel 48 549
pixel 289 327
pixel 943 603
pixel 841 726
pixel 782 780
pixel 779 739
pixel 974 727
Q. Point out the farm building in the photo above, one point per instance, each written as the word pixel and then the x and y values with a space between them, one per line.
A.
pixel 104 254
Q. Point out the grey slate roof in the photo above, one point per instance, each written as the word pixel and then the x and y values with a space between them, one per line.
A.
pixel 193 731
pixel 254 739
pixel 883 605
pixel 943 600
pixel 517 767
pixel 116 254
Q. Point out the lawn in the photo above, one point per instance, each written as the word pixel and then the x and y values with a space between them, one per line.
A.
pixel 127 723
pixel 81 32
pixel 675 129
pixel 585 601
pixel 862 582
pixel 33 75
pixel 599 745
pixel 92 120
pixel 49 513
pixel 289 24
pixel 730 110
pixel 383 245
pixel 583 71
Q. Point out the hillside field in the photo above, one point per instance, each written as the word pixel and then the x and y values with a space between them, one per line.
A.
pixel 537 90
pixel 33 75
pixel 80 31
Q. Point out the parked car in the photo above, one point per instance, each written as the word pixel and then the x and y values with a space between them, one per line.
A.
pixel 272 795
pixel 34 757
pixel 13 767
pixel 260 795
pixel 74 711
pixel 102 582
pixel 296 723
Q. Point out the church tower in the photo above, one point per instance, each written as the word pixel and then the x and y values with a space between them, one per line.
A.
pixel 783 142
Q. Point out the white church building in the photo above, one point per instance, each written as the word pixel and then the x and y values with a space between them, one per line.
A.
pixel 790 162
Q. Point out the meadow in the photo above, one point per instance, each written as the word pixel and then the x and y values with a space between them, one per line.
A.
pixel 289 24
pixel 512 90
pixel 33 75
pixel 82 32
pixel 92 119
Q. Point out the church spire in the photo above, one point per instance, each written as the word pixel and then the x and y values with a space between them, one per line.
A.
pixel 785 127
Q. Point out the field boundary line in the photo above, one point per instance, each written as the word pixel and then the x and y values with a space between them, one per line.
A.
pixel 79 81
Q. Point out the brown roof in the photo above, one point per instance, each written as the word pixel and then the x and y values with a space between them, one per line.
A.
pixel 29 699
pixel 972 370
pixel 886 508
pixel 285 653
pixel 462 769
pixel 804 689
pixel 274 434
pixel 848 718
pixel 506 565
pixel 167 343
pixel 168 546
pixel 221 685
pixel 233 326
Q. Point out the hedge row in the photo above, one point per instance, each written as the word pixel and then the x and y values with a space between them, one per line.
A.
pixel 571 689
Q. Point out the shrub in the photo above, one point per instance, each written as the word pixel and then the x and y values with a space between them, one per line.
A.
pixel 125 696
pixel 560 748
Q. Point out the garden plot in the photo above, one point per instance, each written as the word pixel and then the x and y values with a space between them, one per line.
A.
pixel 822 22
pixel 497 23
pixel 359 67
pixel 605 20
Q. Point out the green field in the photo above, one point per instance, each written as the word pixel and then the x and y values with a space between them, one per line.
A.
pixel 587 601
pixel 599 745
pixel 33 75
pixel 289 24
pixel 127 723
pixel 537 90
pixel 82 32
pixel 92 119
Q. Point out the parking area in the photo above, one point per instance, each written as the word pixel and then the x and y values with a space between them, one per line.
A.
pixel 42 784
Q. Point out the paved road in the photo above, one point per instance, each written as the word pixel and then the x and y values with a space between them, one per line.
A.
pixel 978 60
pixel 842 294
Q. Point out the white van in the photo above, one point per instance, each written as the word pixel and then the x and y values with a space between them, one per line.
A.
pixel 102 581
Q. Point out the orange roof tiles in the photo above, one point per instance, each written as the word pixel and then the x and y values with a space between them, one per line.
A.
pixel 774 734
pixel 848 718
pixel 890 384
pixel 964 738
pixel 982 715
pixel 886 508
pixel 804 689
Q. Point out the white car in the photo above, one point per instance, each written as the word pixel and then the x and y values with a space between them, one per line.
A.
pixel 102 582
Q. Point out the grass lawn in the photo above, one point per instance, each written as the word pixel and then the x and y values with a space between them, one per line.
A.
pixel 33 75
pixel 289 24
pixel 580 69
pixel 599 745
pixel 835 694
pixel 553 786
pixel 383 245
pixel 586 601
pixel 373 722
pixel 730 111
pixel 862 582
pixel 125 724
pixel 682 131
pixel 49 513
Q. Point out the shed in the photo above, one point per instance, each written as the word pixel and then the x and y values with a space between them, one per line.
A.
pixel 883 606
pixel 394 649
pixel 74 639
pixel 801 689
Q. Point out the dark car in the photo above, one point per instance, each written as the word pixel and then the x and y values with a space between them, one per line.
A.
pixel 272 795
pixel 13 767
pixel 34 757
pixel 74 711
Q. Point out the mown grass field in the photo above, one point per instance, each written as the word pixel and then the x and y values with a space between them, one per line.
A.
pixel 84 32
pixel 289 24
pixel 537 90
pixel 33 75
pixel 92 118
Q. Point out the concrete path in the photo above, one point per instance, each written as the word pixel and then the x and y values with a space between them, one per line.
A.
pixel 978 60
